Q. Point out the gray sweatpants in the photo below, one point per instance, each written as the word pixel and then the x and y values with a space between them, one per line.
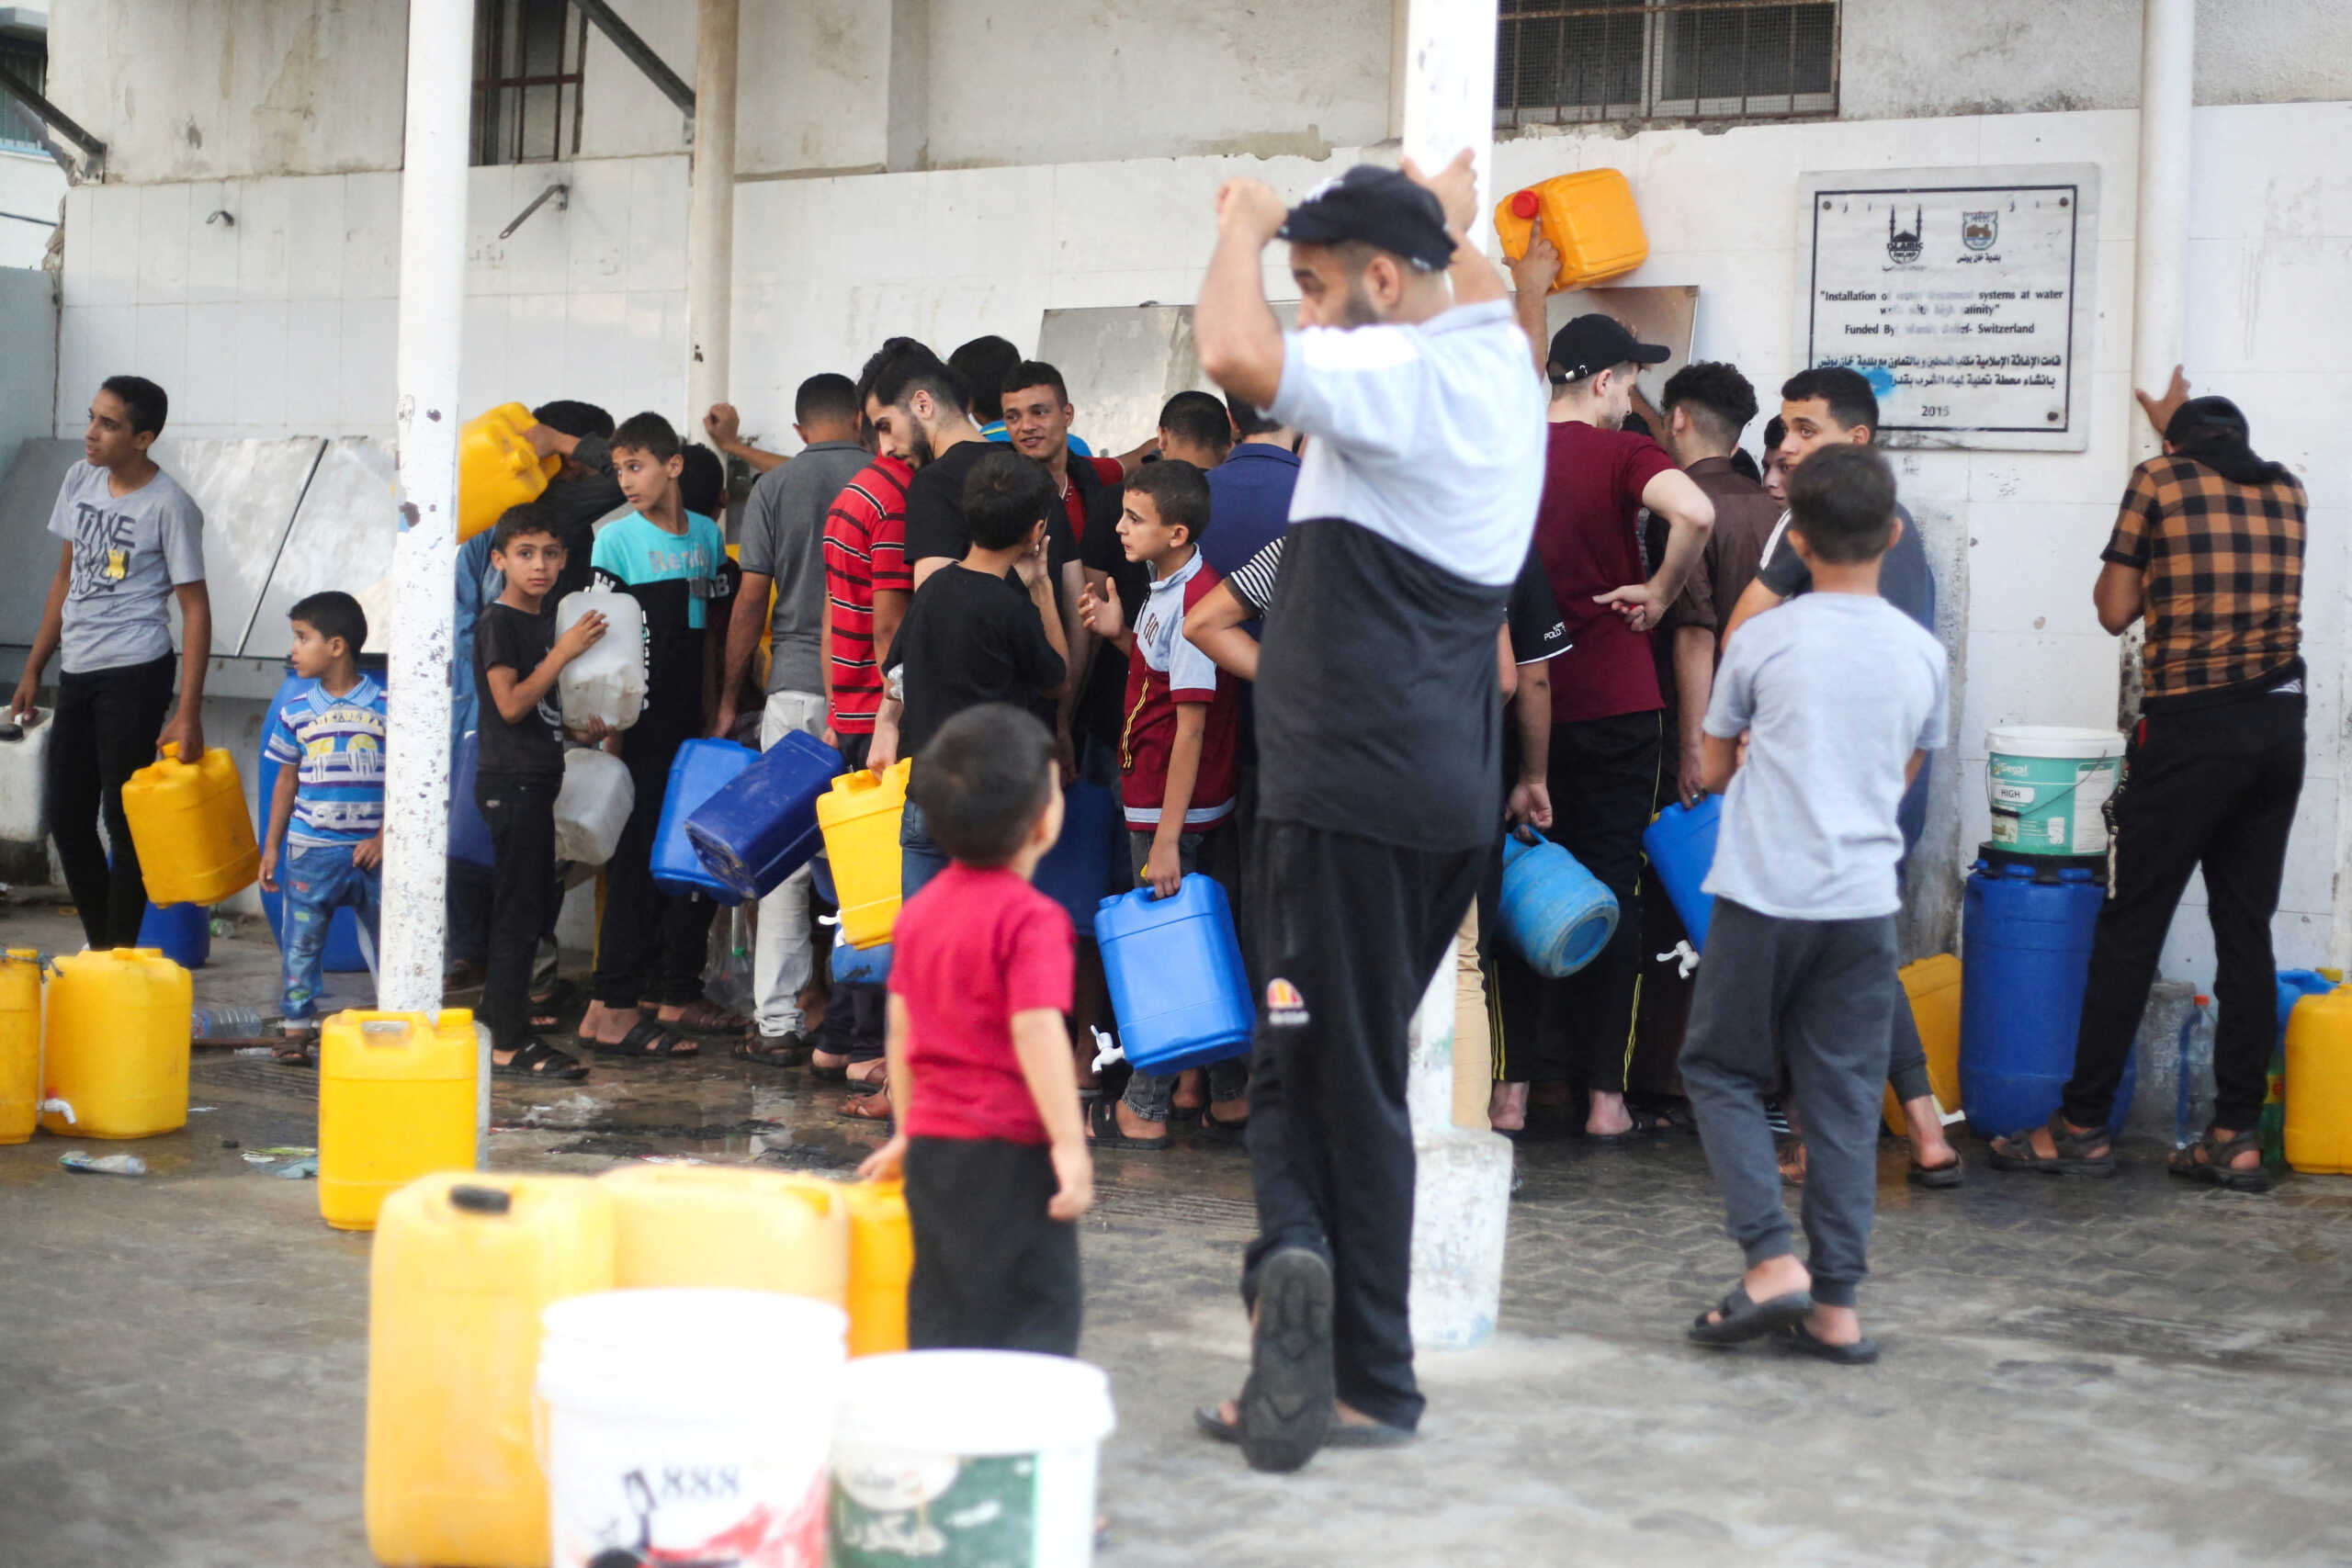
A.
pixel 1829 985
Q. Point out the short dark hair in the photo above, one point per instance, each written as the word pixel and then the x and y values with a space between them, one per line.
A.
pixel 575 419
pixel 1850 399
pixel 1005 495
pixel 1248 419
pixel 828 395
pixel 1718 396
pixel 982 783
pixel 145 403
pixel 982 366
pixel 890 348
pixel 516 522
pixel 1744 466
pixel 702 483
pixel 1031 373
pixel 911 369
pixel 331 614
pixel 1842 499
pixel 1198 418
pixel 1179 490
pixel 1776 430
pixel 647 433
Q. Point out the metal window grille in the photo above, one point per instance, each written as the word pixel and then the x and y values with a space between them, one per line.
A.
pixel 27 59
pixel 1564 62
pixel 528 60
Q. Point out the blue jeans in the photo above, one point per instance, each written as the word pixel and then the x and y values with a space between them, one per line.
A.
pixel 315 880
pixel 919 859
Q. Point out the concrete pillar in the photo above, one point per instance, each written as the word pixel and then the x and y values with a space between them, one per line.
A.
pixel 430 329
pixel 710 219
pixel 1462 1186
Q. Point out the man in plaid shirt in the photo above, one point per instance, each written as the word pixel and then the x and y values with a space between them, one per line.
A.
pixel 2210 548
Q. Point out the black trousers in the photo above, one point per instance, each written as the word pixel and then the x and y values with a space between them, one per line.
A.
pixel 522 834
pixel 1354 929
pixel 1604 778
pixel 2216 788
pixel 106 726
pixel 992 1271
pixel 650 945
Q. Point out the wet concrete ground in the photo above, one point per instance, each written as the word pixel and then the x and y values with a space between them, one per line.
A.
pixel 2133 1372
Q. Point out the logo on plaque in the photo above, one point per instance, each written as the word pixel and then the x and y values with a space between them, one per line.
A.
pixel 1902 249
pixel 1979 230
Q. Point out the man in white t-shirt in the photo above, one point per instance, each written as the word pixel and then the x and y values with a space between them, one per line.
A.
pixel 1380 742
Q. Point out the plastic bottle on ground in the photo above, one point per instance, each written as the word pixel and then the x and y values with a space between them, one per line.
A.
pixel 2193 1075
pixel 225 1023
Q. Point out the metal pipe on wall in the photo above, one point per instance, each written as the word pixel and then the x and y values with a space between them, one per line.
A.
pixel 2160 257
pixel 430 334
pixel 711 220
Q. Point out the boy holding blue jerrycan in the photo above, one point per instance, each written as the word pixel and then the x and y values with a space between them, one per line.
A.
pixel 324 845
pixel 990 1140
pixel 1840 697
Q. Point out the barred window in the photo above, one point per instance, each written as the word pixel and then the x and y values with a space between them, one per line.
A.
pixel 1564 62
pixel 529 59
pixel 26 58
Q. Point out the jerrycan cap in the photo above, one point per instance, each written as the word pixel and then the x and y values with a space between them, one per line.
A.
pixel 1525 204
pixel 475 1199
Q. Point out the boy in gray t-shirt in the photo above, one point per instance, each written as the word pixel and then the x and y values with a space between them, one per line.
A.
pixel 1839 696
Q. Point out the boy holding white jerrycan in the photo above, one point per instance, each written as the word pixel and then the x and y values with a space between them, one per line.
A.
pixel 1839 696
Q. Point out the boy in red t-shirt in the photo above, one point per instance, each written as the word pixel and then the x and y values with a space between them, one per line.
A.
pixel 1177 754
pixel 990 1139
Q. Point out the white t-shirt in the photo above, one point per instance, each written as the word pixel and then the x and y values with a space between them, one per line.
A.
pixel 1834 692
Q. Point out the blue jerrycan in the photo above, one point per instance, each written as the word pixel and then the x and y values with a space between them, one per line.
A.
pixel 2025 926
pixel 1556 912
pixel 1176 984
pixel 761 826
pixel 184 931
pixel 469 839
pixel 701 770
pixel 861 966
pixel 1682 847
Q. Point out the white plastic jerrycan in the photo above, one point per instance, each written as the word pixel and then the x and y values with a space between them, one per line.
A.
pixel 24 777
pixel 593 806
pixel 608 681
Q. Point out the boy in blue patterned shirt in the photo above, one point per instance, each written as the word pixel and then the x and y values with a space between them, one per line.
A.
pixel 327 814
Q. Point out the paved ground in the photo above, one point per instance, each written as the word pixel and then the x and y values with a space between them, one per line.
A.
pixel 2127 1374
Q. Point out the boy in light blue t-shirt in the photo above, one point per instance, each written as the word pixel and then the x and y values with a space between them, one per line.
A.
pixel 1838 696
pixel 324 847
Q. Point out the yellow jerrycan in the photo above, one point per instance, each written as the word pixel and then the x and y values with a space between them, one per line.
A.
pixel 2319 1084
pixel 881 1259
pixel 729 1227
pixel 860 819
pixel 464 1264
pixel 189 824
pixel 397 1100
pixel 19 1044
pixel 1590 217
pixel 497 468
pixel 1931 986
pixel 116 1054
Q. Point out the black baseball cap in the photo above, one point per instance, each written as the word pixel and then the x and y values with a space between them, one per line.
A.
pixel 1377 207
pixel 1593 342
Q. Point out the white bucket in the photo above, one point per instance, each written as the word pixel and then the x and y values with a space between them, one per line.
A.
pixel 968 1459
pixel 688 1425
pixel 2048 785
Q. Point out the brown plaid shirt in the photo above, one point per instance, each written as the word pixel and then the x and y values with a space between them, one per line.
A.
pixel 2225 564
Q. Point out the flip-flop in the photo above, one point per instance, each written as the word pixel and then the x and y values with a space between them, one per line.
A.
pixel 1286 1402
pixel 1947 1175
pixel 537 1059
pixel 1800 1339
pixel 1209 1421
pixel 1217 1130
pixel 1102 1130
pixel 703 1017
pixel 646 1039
pixel 1744 1318
pixel 875 1106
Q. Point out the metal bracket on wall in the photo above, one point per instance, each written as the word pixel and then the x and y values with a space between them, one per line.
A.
pixel 562 194
pixel 58 121
pixel 640 53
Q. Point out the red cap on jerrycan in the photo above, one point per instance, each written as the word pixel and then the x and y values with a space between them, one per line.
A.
pixel 1526 204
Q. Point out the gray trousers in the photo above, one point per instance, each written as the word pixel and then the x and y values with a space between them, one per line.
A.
pixel 1829 988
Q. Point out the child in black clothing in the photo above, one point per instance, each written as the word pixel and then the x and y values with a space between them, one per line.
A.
pixel 518 657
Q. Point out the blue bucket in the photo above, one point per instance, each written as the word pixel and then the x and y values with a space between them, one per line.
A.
pixel 184 932
pixel 1557 913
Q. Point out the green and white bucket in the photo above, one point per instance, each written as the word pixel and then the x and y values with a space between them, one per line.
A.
pixel 2047 785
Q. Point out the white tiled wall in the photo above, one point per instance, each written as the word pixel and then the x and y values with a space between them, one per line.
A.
pixel 279 320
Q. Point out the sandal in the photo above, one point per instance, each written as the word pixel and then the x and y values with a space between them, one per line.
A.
pixel 1948 1175
pixel 646 1039
pixel 296 1051
pixel 779 1051
pixel 819 1072
pixel 699 1016
pixel 2072 1157
pixel 535 1058
pixel 1802 1340
pixel 1743 1318
pixel 1210 1421
pixel 2209 1159
pixel 1217 1130
pixel 1102 1130
pixel 875 1106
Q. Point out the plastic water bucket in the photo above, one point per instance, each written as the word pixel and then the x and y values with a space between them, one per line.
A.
pixel 968 1459
pixel 2047 785
pixel 1558 914
pixel 688 1425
